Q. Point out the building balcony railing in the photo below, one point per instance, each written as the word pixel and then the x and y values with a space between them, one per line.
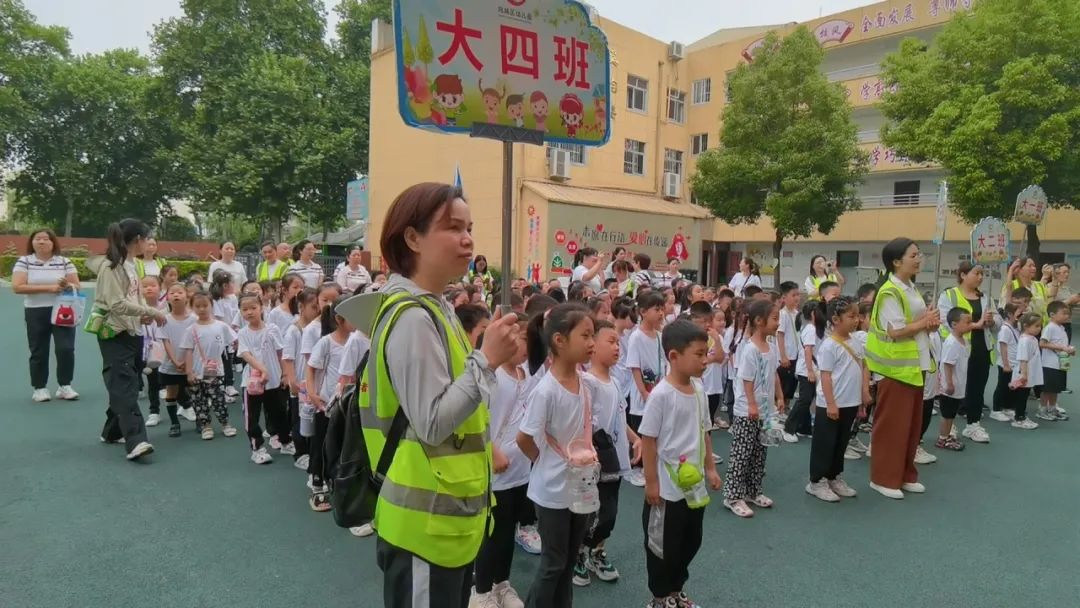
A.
pixel 924 199
pixel 869 135
pixel 858 71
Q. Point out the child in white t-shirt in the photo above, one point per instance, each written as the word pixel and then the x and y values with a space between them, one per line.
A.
pixel 203 346
pixel 813 332
pixel 1007 339
pixel 677 454
pixel 931 393
pixel 645 358
pixel 787 337
pixel 716 372
pixel 294 366
pixel 1056 352
pixel 952 377
pixel 259 345
pixel 1027 373
pixel 322 376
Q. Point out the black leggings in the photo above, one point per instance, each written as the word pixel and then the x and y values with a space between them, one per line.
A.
pixel 798 421
pixel 977 375
pixel 1002 400
pixel 315 454
pixel 927 413
pixel 497 553
pixel 830 442
pixel 604 522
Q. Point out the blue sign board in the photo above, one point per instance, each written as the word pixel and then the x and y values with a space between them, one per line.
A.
pixel 357 205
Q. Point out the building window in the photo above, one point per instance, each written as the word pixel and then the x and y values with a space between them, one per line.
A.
pixel 727 89
pixel 673 161
pixel 702 91
pixel 906 192
pixel 637 93
pixel 577 152
pixel 634 157
pixel 676 105
pixel 699 143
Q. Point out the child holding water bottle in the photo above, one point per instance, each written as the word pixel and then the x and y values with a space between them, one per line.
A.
pixel 293 364
pixel 323 373
pixel 556 435
pixel 677 454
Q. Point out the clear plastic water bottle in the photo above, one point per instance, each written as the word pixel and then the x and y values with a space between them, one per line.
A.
pixel 772 434
pixel 582 478
pixel 307 415
pixel 656 530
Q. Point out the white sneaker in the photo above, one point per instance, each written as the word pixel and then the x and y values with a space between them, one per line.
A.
pixel 851 454
pixel 887 492
pixel 41 395
pixel 275 443
pixel 261 456
pixel 528 539
pixel 717 459
pixel 507 597
pixel 66 393
pixel 636 477
pixel 287 449
pixel 229 430
pixel 822 491
pixel 302 462
pixel 1025 424
pixel 483 600
pixel 230 391
pixel 140 450
pixel 913 487
pixel 1011 414
pixel 1045 414
pixel 1000 416
pixel 868 446
pixel 362 531
pixel 856 444
pixel 153 420
pixel 841 488
pixel 187 413
pixel 207 433
pixel 924 457
pixel 976 433
pixel 791 438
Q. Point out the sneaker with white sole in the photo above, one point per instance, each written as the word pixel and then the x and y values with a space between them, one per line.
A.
pixel 119 440
pixel 599 565
pixel 893 493
pixel 66 393
pixel 1025 424
pixel 949 442
pixel 914 487
pixel 851 454
pixel 582 578
pixel 41 395
pixel 1000 416
pixel 140 450
pixel 228 430
pixel 230 391
pixel 275 443
pixel 261 456
pixel 153 420
pixel 362 531
pixel 822 491
pixel 856 444
pixel 924 457
pixel 507 596
pixel 187 413
pixel 841 488
pixel 1059 414
pixel 636 477
pixel 528 539
pixel 868 446
pixel 1046 414
pixel 484 600
pixel 791 438
pixel 302 462
pixel 717 459
pixel 976 433
pixel 288 449
pixel 207 433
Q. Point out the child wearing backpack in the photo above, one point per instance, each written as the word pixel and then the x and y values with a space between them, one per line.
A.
pixel 322 376
pixel 293 366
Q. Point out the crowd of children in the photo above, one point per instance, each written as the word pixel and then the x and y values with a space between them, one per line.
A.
pixel 617 378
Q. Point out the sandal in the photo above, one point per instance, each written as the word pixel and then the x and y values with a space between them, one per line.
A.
pixel 762 501
pixel 738 507
pixel 319 502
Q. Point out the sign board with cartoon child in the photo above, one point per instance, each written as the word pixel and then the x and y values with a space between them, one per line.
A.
pixel 530 64
pixel 990 242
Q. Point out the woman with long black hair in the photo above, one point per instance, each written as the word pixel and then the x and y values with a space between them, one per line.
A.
pixel 119 299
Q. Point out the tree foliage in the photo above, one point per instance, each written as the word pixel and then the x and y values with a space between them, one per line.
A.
pixel 995 99
pixel 789 148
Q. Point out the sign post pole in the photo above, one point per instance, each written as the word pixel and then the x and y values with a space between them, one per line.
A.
pixel 507 219
pixel 939 230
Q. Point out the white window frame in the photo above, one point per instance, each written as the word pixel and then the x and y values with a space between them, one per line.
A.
pixel 676 106
pixel 702 91
pixel 699 142
pixel 637 84
pixel 576 151
pixel 631 155
pixel 674 161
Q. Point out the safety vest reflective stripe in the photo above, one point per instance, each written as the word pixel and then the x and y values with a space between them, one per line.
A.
pixel 896 359
pixel 262 271
pixel 893 362
pixel 418 499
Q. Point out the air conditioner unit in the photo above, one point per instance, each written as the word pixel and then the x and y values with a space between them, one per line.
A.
pixel 672 185
pixel 559 164
pixel 382 35
pixel 676 51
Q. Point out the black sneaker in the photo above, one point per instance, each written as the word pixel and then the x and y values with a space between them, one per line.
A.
pixel 174 430
pixel 582 578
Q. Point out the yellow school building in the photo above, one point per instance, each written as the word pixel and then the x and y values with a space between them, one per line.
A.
pixel 666 108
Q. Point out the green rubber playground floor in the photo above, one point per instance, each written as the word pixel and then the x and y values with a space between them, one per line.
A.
pixel 200 525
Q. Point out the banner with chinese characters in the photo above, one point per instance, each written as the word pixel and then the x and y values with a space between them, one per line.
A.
pixel 533 64
pixel 357 206
pixel 1030 206
pixel 990 242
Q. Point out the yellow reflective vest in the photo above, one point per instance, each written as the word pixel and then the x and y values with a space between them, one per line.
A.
pixel 262 271
pixel 896 359
pixel 817 284
pixel 436 499
pixel 140 266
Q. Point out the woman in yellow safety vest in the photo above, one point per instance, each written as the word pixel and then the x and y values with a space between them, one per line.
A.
pixel 898 354
pixel 433 508
pixel 149 263
pixel 981 340
pixel 271 268
pixel 821 271
pixel 1023 273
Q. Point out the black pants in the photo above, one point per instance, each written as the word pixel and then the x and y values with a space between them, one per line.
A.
pixel 950 406
pixel 315 446
pixel 1018 400
pixel 411 582
pixel 682 539
pixel 561 534
pixel 927 414
pixel 788 381
pixel 977 375
pixel 497 553
pixel 270 406
pixel 798 420
pixel 299 441
pixel 604 522
pixel 39 330
pixel 829 443
pixel 227 369
pixel 153 388
pixel 1002 401
pixel 120 370
pixel 714 405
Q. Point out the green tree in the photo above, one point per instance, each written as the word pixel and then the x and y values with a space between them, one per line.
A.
pixel 354 26
pixel 995 99
pixel 424 52
pixel 176 228
pixel 788 147
pixel 91 145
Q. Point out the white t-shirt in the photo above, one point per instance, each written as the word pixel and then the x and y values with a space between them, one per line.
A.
pixel 311 273
pixel 151 268
pixel 1028 350
pixel 789 334
pixel 740 282
pixel 235 269
pixel 226 308
pixel 265 345
pixel 1009 336
pixel 729 364
pixel 282 319
pixel 955 353
pixel 677 421
pixel 48 272
pixel 1054 334
pixel 644 353
pixel 311 334
pixel 326 360
pixel 759 368
pixel 846 371
pixel 507 407
pixel 207 343
pixel 350 279
pixel 609 414
pixel 620 372
pixel 931 386
pixel 807 337
pixel 556 411
pixel 291 352
pixel 173 332
pixel 355 348
pixel 713 379
pixel 596 283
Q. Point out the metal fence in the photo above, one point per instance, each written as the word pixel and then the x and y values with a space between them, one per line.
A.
pixel 329 263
